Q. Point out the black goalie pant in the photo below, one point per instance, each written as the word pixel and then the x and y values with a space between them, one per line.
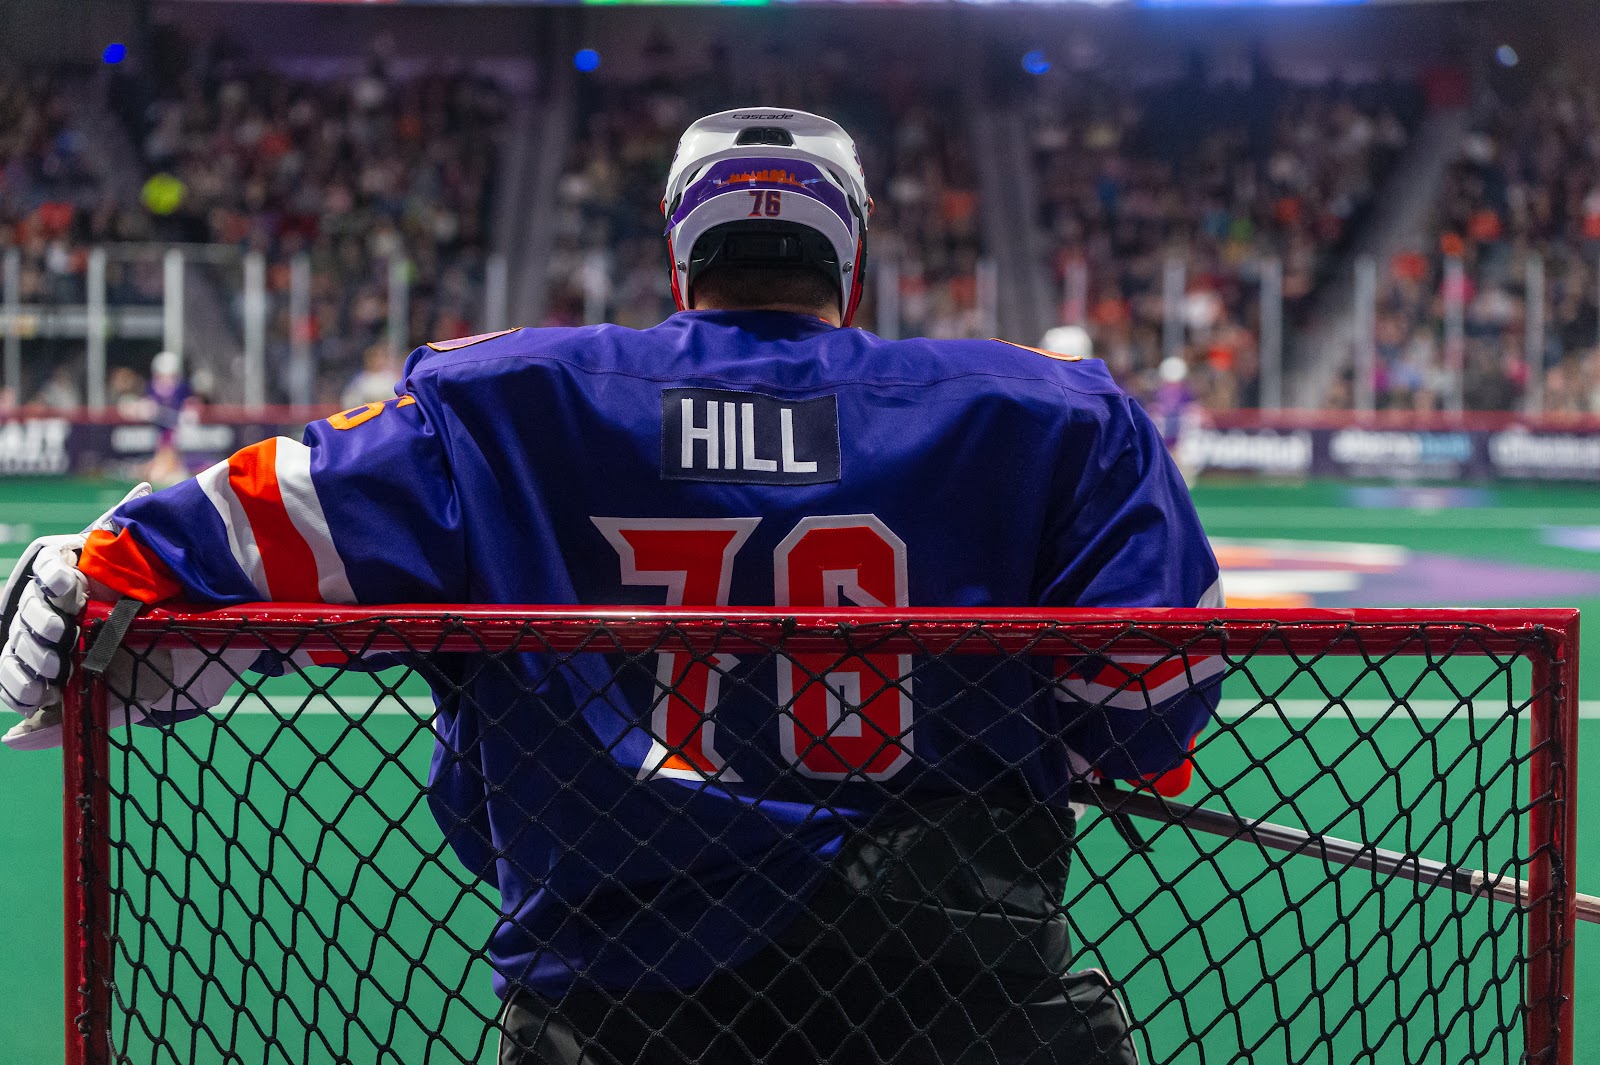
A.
pixel 829 1008
pixel 881 968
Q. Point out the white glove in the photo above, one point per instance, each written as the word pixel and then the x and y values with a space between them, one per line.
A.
pixel 44 629
pixel 39 607
pixel 182 682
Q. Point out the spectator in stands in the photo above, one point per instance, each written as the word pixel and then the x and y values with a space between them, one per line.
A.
pixel 375 383
pixel 126 391
pixel 59 195
pixel 60 391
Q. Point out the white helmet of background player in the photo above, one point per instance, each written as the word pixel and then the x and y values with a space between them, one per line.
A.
pixel 166 364
pixel 767 186
pixel 1072 340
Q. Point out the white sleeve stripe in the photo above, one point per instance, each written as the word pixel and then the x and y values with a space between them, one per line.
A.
pixel 1132 693
pixel 300 501
pixel 241 538
pixel 1135 692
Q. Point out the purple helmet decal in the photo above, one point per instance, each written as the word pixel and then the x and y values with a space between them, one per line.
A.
pixel 742 175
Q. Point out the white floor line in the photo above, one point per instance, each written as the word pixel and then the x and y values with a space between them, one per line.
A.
pixel 353 705
pixel 1373 709
pixel 421 707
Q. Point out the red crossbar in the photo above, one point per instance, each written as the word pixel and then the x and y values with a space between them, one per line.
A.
pixel 319 627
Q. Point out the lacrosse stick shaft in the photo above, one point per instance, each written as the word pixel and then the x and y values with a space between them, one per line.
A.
pixel 1330 849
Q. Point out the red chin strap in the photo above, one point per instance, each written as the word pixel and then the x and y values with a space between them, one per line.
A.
pixel 857 273
pixel 672 268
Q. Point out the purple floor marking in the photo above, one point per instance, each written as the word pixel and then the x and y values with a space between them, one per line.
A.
pixel 1446 580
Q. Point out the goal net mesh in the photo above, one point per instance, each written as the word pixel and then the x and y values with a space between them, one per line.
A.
pixel 268 881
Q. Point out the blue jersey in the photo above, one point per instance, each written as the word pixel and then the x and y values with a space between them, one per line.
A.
pixel 746 458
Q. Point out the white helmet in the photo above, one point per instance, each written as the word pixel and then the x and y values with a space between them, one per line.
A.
pixel 767 186
pixel 166 364
pixel 1070 340
pixel 1173 369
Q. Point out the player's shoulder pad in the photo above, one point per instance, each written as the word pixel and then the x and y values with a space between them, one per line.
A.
pixel 439 354
pixel 1077 372
pixel 1038 351
pixel 467 342
pixel 549 341
pixel 445 355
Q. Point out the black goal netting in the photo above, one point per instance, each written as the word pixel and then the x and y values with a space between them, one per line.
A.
pixel 344 837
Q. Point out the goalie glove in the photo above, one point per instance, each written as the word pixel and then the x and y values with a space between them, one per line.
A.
pixel 44 626
pixel 39 611
pixel 150 685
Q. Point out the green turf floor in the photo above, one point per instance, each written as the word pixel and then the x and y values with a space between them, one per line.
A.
pixel 1211 944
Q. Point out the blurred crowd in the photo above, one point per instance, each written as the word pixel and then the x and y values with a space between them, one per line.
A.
pixel 359 172
pixel 1523 195
pixel 1165 206
pixel 59 195
pixel 611 263
pixel 1189 190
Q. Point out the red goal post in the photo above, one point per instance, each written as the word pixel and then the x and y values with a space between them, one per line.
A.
pixel 1527 659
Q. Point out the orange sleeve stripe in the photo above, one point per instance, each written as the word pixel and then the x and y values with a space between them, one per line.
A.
pixel 328 658
pixel 1173 782
pixel 124 565
pixel 286 559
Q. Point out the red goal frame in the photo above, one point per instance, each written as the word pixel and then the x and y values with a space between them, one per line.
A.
pixel 1553 719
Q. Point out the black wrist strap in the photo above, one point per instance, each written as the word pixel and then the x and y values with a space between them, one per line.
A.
pixel 110 636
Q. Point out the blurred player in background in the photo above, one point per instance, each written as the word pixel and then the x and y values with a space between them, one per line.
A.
pixel 1071 341
pixel 375 382
pixel 1178 414
pixel 885 884
pixel 168 403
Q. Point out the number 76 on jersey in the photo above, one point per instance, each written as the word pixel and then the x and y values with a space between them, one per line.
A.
pixel 842 718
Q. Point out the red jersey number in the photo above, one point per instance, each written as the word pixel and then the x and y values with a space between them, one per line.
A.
pixel 845 716
pixel 693 560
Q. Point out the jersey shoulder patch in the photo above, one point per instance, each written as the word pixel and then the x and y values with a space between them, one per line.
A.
pixel 467 342
pixel 1040 351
